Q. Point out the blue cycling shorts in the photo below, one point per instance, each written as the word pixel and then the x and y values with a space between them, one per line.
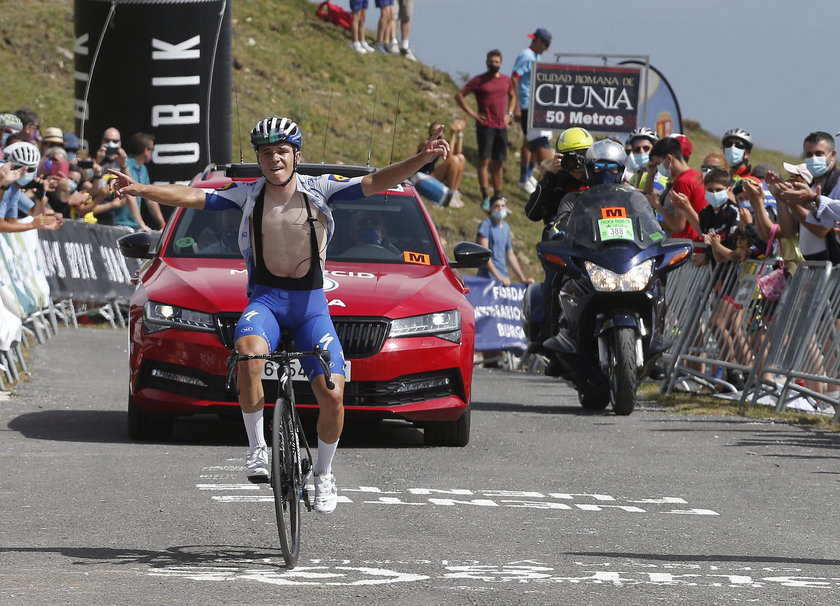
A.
pixel 304 313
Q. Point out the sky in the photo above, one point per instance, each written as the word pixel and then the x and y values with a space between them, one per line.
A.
pixel 731 63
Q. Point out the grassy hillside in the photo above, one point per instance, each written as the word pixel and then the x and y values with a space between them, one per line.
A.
pixel 297 65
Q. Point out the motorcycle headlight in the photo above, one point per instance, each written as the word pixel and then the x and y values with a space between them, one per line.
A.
pixel 444 324
pixel 160 316
pixel 605 280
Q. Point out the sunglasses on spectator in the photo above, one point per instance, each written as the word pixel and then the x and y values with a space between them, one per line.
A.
pixel 738 144
pixel 707 167
pixel 610 166
pixel 29 169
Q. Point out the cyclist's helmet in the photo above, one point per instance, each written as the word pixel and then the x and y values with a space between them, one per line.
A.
pixel 274 130
pixel 643 132
pixel 23 153
pixel 573 139
pixel 605 162
pixel 10 123
pixel 738 133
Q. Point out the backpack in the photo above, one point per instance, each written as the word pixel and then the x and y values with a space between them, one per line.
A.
pixel 327 11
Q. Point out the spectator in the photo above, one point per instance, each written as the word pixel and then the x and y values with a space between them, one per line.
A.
pixel 405 8
pixel 449 170
pixel 535 143
pixel 110 153
pixel 19 181
pixel 140 148
pixel 383 28
pixel 670 161
pixel 641 141
pixel 495 99
pixel 9 124
pixel 71 146
pixel 30 121
pixel 737 145
pixel 357 27
pixel 494 233
pixel 820 160
pixel 52 137
pixel 713 160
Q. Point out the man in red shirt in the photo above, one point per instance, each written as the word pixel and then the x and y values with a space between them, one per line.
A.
pixel 667 156
pixel 495 99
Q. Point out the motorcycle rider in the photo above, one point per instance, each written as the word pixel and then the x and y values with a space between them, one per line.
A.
pixel 604 165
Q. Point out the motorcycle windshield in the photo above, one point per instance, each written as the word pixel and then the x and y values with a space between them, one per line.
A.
pixel 613 213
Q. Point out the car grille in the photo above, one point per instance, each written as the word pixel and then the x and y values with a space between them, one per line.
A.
pixel 407 389
pixel 360 337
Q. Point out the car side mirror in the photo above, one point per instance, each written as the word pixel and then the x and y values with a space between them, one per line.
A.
pixel 136 245
pixel 469 255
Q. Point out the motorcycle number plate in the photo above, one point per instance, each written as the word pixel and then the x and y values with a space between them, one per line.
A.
pixel 616 229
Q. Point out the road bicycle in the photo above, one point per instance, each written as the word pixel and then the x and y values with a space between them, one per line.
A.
pixel 291 468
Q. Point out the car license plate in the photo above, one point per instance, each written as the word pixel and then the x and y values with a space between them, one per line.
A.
pixel 270 371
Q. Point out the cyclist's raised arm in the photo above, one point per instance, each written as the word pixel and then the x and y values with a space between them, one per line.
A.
pixel 171 195
pixel 394 174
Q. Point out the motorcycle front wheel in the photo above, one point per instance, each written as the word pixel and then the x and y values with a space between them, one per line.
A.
pixel 624 377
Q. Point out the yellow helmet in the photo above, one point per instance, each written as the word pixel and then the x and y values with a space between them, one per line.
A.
pixel 573 139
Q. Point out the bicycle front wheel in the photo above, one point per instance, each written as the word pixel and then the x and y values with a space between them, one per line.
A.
pixel 285 481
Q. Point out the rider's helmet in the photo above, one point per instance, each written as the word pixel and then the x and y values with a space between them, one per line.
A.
pixel 23 153
pixel 10 123
pixel 274 130
pixel 643 132
pixel 605 162
pixel 738 133
pixel 573 139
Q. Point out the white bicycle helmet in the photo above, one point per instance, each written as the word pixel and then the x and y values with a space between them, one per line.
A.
pixel 10 123
pixel 274 130
pixel 23 153
pixel 738 133
pixel 643 132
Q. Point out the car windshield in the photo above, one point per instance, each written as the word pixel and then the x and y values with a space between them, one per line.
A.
pixel 377 229
pixel 605 214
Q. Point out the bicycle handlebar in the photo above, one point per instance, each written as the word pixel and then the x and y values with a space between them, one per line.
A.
pixel 282 357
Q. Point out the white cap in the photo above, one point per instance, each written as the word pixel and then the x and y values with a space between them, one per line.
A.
pixel 799 169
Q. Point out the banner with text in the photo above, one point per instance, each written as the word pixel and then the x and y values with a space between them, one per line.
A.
pixel 600 99
pixel 498 314
pixel 82 261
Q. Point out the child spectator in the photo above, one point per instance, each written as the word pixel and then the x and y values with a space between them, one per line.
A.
pixel 495 234
pixel 357 27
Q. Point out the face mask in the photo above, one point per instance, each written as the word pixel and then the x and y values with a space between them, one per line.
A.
pixel 631 163
pixel 717 198
pixel 494 69
pixel 605 177
pixel 72 185
pixel 733 155
pixel 641 159
pixel 71 157
pixel 665 172
pixel 817 165
pixel 26 179
pixel 499 214
pixel 3 139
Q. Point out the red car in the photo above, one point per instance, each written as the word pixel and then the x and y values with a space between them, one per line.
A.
pixel 397 303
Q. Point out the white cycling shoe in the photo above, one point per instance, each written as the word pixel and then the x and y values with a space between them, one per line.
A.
pixel 326 493
pixel 256 465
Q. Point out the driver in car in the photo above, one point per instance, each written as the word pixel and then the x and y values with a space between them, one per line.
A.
pixel 283 234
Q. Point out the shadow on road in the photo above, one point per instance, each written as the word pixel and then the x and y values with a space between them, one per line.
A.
pixel 536 408
pixel 185 555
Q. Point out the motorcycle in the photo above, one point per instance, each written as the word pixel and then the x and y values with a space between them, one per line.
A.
pixel 605 308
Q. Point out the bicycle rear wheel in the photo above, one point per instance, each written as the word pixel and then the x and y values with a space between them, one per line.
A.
pixel 285 481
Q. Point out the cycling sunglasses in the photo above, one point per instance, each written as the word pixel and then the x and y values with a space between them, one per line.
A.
pixel 599 166
pixel 736 143
pixel 29 169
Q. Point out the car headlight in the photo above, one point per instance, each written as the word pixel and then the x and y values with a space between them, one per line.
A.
pixel 160 316
pixel 444 324
pixel 608 281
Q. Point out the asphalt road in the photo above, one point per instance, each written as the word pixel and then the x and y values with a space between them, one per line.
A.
pixel 547 505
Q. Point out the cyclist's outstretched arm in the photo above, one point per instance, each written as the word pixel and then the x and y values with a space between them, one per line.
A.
pixel 171 195
pixel 394 174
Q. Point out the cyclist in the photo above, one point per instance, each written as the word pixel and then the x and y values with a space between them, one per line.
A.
pixel 737 145
pixel 641 141
pixel 283 235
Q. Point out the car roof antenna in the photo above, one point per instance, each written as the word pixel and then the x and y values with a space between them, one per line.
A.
pixel 372 113
pixel 327 129
pixel 394 137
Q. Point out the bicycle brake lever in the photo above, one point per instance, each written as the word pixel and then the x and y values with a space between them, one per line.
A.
pixel 323 357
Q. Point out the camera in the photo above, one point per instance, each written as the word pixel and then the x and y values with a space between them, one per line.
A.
pixel 571 161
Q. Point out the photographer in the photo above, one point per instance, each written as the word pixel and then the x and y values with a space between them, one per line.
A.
pixel 110 153
pixel 565 174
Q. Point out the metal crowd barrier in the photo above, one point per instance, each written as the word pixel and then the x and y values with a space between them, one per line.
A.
pixel 722 325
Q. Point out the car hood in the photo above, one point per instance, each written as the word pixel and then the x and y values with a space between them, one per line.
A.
pixel 212 285
pixel 394 291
